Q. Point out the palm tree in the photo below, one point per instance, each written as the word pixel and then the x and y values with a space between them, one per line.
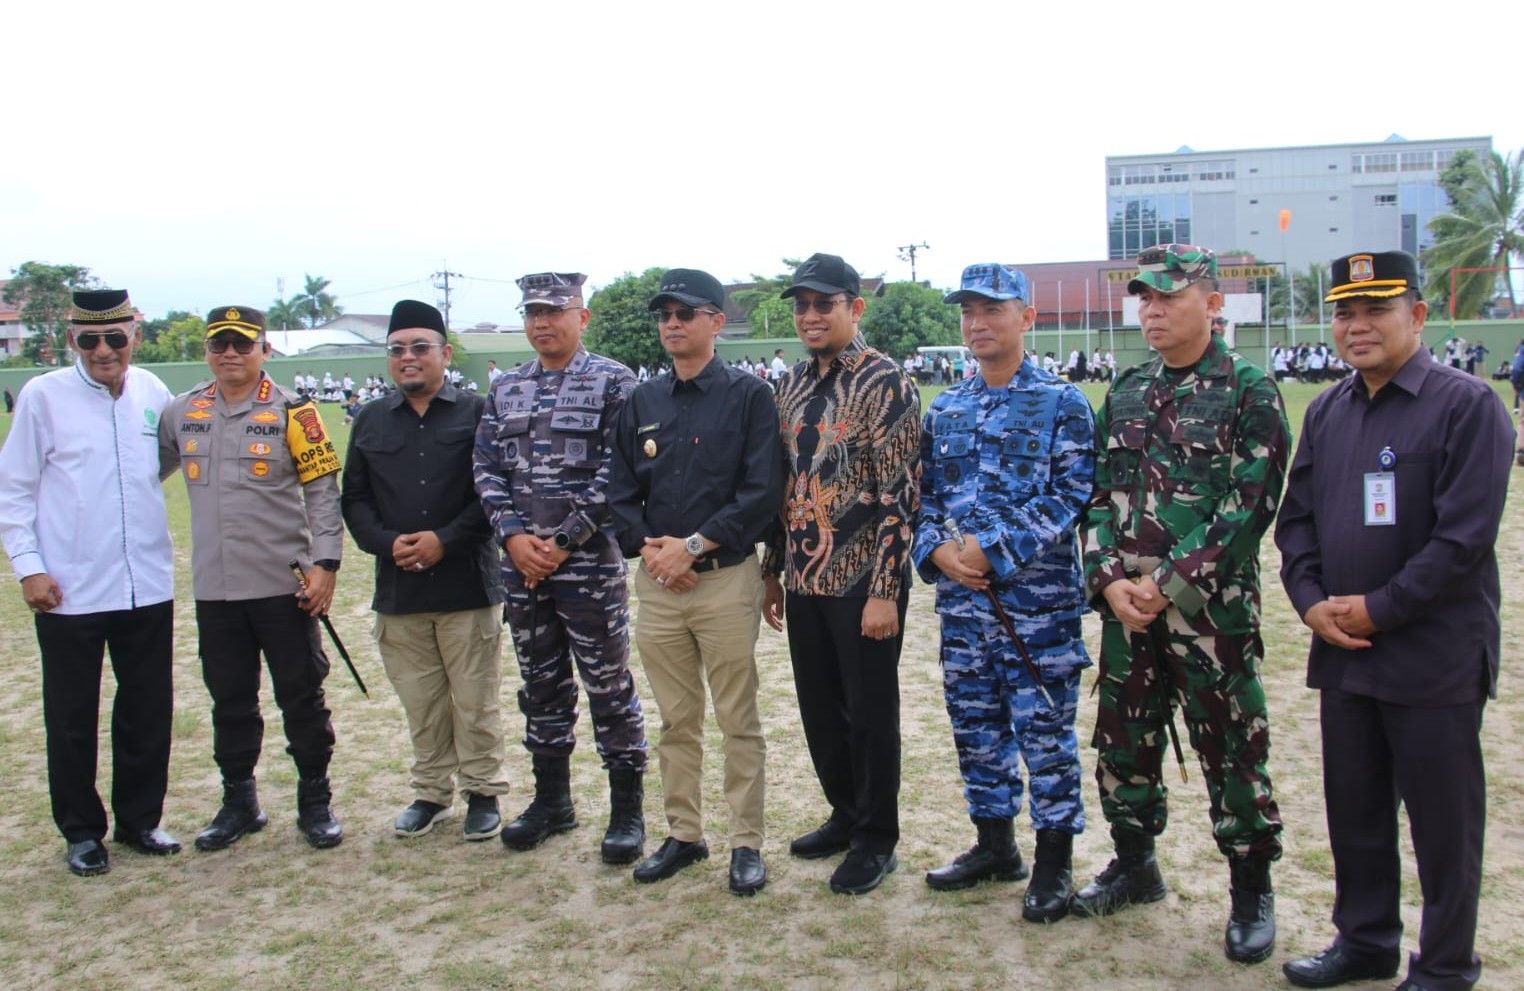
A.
pixel 1485 228
pixel 315 305
pixel 284 314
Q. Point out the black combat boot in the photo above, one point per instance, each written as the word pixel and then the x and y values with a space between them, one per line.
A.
pixel 625 838
pixel 551 810
pixel 1047 897
pixel 1132 877
pixel 314 813
pixel 1250 936
pixel 993 855
pixel 240 814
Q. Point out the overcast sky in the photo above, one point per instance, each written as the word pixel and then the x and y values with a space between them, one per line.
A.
pixel 196 153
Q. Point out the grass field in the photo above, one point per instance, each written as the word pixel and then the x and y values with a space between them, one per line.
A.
pixel 440 913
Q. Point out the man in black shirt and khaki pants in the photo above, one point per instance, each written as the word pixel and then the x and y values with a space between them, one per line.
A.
pixel 697 477
pixel 408 498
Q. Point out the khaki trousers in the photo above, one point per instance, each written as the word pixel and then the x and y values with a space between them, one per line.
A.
pixel 686 639
pixel 446 667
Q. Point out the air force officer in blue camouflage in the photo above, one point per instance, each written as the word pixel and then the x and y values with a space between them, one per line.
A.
pixel 1009 457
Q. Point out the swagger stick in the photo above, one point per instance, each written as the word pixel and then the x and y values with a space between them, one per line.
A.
pixel 301 581
pixel 1005 621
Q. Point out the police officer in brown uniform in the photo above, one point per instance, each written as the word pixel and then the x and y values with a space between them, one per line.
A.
pixel 263 480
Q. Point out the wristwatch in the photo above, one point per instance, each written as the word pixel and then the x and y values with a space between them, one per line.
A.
pixel 562 540
pixel 694 545
pixel 327 564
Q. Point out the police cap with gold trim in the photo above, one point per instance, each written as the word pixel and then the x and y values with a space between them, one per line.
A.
pixel 1382 274
pixel 242 320
pixel 100 306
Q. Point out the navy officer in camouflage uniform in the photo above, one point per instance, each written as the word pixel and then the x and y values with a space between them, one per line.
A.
pixel 541 467
pixel 1009 458
pixel 1196 442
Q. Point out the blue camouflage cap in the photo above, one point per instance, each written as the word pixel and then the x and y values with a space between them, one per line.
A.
pixel 991 280
pixel 551 288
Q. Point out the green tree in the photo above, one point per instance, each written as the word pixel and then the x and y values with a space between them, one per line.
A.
pixel 41 292
pixel 315 305
pixel 284 314
pixel 765 311
pixel 622 327
pixel 1484 228
pixel 153 328
pixel 184 339
pixel 908 316
pixel 1305 285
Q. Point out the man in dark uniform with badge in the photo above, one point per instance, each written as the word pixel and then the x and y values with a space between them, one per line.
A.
pixel 698 476
pixel 263 481
pixel 1196 442
pixel 541 467
pixel 1387 538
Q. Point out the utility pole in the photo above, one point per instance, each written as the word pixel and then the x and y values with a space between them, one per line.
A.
pixel 280 294
pixel 907 253
pixel 444 285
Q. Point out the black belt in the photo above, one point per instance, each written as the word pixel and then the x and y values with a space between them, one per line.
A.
pixel 715 560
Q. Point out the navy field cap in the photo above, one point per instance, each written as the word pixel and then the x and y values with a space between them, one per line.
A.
pixel 991 280
pixel 825 273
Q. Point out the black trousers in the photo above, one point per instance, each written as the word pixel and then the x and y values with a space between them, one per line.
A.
pixel 233 635
pixel 849 703
pixel 1376 754
pixel 141 643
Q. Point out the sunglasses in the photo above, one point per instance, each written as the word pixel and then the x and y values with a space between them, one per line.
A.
pixel 89 340
pixel 242 345
pixel 821 306
pixel 417 349
pixel 684 314
pixel 531 310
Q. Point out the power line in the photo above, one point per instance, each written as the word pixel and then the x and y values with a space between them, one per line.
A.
pixel 907 253
pixel 446 276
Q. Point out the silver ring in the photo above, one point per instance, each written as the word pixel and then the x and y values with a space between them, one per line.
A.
pixel 418 566
pixel 661 581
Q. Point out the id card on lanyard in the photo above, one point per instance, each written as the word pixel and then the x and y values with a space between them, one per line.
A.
pixel 1381 491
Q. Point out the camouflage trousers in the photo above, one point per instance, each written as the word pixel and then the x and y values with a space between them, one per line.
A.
pixel 1215 681
pixel 1000 720
pixel 581 614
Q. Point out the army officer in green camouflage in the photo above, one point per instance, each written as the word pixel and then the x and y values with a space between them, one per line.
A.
pixel 1194 453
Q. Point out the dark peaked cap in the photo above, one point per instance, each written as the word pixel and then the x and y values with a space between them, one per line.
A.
pixel 409 313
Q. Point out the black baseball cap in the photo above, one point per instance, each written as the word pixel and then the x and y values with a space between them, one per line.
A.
pixel 691 287
pixel 825 273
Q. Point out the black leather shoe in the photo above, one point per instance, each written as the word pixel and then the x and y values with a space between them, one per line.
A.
pixel 88 858
pixel 862 871
pixel 831 838
pixel 155 842
pixel 1335 966
pixel 483 820
pixel 418 818
pixel 672 857
pixel 747 872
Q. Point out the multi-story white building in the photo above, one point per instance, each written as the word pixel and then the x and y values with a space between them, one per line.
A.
pixel 1341 198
